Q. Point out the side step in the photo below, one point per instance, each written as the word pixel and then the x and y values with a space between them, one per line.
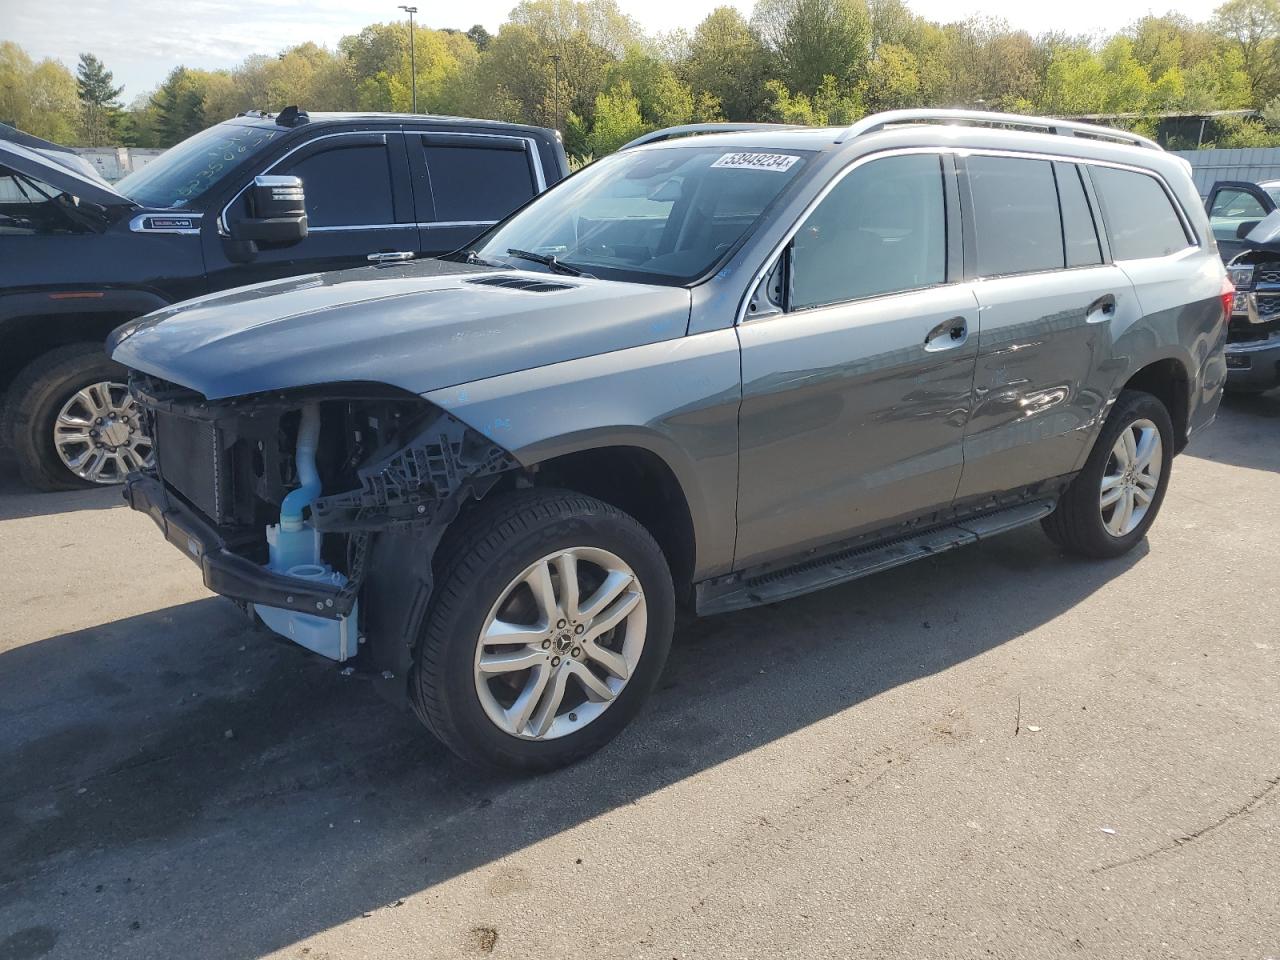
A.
pixel 743 590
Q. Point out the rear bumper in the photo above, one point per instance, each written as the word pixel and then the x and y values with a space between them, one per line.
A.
pixel 223 571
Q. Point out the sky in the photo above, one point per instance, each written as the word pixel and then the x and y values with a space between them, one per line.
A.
pixel 142 40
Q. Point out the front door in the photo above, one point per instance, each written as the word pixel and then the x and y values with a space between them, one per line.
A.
pixel 359 204
pixel 857 390
pixel 1235 207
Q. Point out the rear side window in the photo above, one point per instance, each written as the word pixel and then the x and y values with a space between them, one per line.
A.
pixel 1079 232
pixel 477 183
pixel 1015 213
pixel 347 186
pixel 1141 220
pixel 882 229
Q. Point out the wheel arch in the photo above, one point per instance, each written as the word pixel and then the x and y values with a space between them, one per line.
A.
pixel 640 482
pixel 1169 381
pixel 31 324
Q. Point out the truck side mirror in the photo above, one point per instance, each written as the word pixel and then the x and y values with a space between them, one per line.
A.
pixel 1246 228
pixel 277 211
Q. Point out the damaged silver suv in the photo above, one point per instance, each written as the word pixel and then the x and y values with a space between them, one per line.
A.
pixel 718 370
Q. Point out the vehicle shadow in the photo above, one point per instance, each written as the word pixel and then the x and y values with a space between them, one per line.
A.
pixel 176 784
pixel 1246 433
pixel 17 500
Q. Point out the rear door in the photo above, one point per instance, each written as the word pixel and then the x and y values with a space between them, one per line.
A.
pixel 1234 208
pixel 464 183
pixel 1048 299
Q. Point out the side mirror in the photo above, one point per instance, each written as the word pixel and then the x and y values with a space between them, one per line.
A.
pixel 277 211
pixel 1246 228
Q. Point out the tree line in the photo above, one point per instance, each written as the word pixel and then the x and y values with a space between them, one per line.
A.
pixel 586 68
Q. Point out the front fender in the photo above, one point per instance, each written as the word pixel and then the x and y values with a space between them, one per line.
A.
pixel 677 399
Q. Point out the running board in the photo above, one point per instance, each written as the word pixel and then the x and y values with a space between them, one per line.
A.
pixel 740 591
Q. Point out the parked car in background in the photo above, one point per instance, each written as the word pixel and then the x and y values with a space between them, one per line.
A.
pixel 720 371
pixel 1245 223
pixel 255 198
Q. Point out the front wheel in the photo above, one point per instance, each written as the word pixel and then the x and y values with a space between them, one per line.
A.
pixel 551 621
pixel 1114 500
pixel 72 422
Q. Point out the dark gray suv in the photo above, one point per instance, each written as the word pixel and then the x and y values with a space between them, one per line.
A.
pixel 716 370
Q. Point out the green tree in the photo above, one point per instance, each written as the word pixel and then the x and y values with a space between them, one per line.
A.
pixel 99 101
pixel 1251 27
pixel 179 105
pixel 39 98
pixel 893 79
pixel 813 39
pixel 617 120
pixel 727 61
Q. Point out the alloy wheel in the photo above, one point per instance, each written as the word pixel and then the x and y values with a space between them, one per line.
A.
pixel 1131 477
pixel 560 643
pixel 98 433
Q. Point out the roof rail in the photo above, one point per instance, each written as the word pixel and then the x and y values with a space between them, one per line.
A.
pixel 667 133
pixel 1066 128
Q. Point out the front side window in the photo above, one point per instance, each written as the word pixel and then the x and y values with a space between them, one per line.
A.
pixel 882 229
pixel 1015 214
pixel 470 183
pixel 663 215
pixel 346 186
pixel 1141 220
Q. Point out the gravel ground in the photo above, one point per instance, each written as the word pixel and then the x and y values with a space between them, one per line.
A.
pixel 1000 752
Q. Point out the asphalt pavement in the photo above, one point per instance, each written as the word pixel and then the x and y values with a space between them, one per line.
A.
pixel 999 752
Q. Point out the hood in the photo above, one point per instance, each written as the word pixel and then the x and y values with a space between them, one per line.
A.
pixel 419 326
pixel 1266 235
pixel 61 168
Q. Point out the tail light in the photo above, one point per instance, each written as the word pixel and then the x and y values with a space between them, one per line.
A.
pixel 1228 299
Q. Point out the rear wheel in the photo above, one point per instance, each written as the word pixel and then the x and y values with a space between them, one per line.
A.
pixel 551 621
pixel 71 421
pixel 1114 500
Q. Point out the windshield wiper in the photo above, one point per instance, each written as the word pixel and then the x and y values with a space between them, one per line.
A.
pixel 547 260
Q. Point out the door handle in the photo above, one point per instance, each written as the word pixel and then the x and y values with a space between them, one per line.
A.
pixel 948 334
pixel 395 256
pixel 1104 308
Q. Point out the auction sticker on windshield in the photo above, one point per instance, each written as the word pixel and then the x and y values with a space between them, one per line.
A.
pixel 756 161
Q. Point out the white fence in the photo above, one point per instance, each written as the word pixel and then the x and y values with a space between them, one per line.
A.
pixel 114 162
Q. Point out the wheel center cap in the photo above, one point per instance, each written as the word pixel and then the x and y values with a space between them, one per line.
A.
pixel 114 433
pixel 563 642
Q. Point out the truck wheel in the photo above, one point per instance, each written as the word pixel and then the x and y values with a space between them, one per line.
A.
pixel 549 625
pixel 1115 498
pixel 71 421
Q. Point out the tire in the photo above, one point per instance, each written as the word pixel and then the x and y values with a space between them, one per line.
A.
pixel 35 399
pixel 1079 524
pixel 479 569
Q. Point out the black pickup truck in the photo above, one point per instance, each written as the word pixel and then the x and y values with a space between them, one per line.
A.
pixel 252 199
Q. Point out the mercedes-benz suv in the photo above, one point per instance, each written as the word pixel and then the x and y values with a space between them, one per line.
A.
pixel 715 370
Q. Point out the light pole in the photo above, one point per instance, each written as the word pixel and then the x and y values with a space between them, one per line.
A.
pixel 413 62
pixel 555 58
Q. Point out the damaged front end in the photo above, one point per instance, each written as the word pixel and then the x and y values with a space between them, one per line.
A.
pixel 289 502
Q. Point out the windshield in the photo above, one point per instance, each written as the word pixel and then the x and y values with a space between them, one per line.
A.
pixel 182 173
pixel 653 216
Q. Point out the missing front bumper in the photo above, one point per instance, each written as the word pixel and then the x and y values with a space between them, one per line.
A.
pixel 225 572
